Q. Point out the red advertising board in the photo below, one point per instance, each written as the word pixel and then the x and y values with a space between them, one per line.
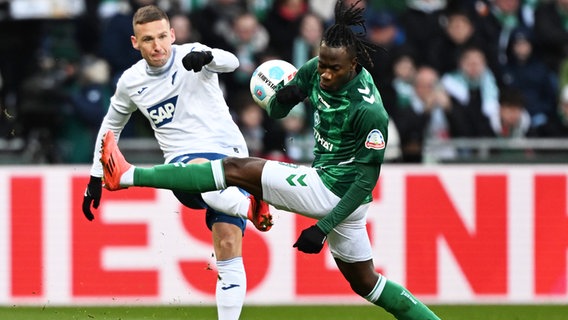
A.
pixel 451 234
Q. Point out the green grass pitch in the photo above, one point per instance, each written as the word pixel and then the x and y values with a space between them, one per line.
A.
pixel 335 312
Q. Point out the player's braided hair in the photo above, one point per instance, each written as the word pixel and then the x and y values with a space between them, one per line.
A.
pixel 342 34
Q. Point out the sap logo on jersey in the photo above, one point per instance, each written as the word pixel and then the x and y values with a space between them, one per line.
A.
pixel 163 112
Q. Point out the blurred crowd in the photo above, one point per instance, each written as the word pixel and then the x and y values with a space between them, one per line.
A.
pixel 447 68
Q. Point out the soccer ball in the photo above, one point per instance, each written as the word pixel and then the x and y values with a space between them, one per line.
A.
pixel 267 76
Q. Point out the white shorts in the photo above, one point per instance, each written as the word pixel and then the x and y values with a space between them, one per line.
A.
pixel 299 189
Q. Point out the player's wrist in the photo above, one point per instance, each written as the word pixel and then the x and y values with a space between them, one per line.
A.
pixel 290 95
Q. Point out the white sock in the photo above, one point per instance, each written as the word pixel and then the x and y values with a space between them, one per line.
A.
pixel 230 201
pixel 231 288
pixel 127 178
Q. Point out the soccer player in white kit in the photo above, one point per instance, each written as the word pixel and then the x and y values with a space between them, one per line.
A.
pixel 177 88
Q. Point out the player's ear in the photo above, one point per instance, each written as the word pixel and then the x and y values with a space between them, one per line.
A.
pixel 354 63
pixel 134 42
pixel 173 35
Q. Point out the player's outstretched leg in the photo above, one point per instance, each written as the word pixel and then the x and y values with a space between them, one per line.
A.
pixel 114 164
pixel 192 178
pixel 259 214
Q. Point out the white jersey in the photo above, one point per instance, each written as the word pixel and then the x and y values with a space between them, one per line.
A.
pixel 186 109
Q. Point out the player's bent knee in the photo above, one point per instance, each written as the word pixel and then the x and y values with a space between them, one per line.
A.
pixel 244 172
pixel 228 244
pixel 361 288
pixel 363 284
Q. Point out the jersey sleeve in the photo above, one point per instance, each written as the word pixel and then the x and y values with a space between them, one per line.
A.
pixel 370 123
pixel 223 61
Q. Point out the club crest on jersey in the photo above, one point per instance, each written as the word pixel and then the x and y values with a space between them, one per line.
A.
pixel 375 140
pixel 163 112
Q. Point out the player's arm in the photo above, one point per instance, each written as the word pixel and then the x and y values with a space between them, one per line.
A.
pixel 370 128
pixel 367 176
pixel 370 124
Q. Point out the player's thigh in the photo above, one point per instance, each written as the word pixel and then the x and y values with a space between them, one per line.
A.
pixel 296 189
pixel 349 240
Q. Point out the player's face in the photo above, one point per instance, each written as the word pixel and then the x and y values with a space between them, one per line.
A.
pixel 154 41
pixel 336 67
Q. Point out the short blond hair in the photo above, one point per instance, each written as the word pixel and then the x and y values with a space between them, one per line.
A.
pixel 148 14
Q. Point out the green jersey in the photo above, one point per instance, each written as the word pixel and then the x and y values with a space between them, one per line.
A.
pixel 350 131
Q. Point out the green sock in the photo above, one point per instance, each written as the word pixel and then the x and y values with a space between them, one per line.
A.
pixel 402 304
pixel 192 178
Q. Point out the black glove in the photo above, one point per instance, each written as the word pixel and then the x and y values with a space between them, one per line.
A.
pixel 195 60
pixel 290 95
pixel 311 240
pixel 92 195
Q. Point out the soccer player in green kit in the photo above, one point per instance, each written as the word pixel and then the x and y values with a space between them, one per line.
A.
pixel 350 131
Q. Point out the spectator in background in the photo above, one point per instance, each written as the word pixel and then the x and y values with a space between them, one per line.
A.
pixel 306 43
pixel 183 29
pixel 89 100
pixel 495 25
pixel 404 71
pixel 259 8
pixel 515 120
pixel 421 24
pixel 458 34
pixel 384 32
pixel 475 97
pixel 395 6
pixel 525 72
pixel 247 39
pixel 44 109
pixel 88 34
pixel 250 118
pixel 551 32
pixel 557 127
pixel 283 25
pixel 213 21
pixel 115 33
pixel 299 141
pixel 322 8
pixel 424 118
pixel 18 57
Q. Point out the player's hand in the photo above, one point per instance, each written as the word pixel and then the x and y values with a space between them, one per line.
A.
pixel 92 195
pixel 311 240
pixel 290 95
pixel 195 60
